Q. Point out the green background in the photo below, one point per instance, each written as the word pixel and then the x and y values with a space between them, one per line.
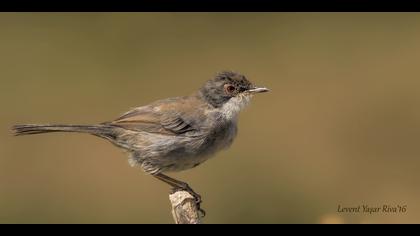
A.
pixel 341 125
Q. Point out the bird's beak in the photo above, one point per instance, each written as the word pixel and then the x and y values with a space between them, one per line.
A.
pixel 258 90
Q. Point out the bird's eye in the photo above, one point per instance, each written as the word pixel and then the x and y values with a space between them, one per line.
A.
pixel 229 88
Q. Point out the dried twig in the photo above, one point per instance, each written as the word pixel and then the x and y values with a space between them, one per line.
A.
pixel 184 208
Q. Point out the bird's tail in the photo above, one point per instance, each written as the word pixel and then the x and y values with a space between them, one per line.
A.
pixel 101 130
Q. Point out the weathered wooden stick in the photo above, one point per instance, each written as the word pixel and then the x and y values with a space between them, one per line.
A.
pixel 184 208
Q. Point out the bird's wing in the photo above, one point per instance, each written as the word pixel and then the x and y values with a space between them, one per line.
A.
pixel 172 116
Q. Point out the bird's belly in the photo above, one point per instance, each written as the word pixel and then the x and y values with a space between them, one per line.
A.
pixel 204 149
pixel 160 153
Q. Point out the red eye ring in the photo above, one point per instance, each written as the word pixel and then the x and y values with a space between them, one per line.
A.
pixel 229 88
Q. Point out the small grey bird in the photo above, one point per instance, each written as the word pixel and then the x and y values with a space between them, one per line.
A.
pixel 173 134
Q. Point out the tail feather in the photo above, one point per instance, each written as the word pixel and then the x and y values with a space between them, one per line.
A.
pixel 104 131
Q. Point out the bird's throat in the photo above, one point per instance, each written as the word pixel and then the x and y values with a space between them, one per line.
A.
pixel 230 110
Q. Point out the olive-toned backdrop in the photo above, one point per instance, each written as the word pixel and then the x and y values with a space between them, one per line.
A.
pixel 341 125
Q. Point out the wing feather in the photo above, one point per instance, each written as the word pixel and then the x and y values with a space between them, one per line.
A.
pixel 172 116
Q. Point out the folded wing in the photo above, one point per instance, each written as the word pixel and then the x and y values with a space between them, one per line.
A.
pixel 174 116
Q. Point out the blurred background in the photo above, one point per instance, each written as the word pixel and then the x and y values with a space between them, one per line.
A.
pixel 341 125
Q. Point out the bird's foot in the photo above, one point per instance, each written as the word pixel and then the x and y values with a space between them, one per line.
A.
pixel 197 197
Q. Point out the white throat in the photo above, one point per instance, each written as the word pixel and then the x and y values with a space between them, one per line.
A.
pixel 231 108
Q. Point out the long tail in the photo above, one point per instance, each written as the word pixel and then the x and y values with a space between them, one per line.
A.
pixel 104 131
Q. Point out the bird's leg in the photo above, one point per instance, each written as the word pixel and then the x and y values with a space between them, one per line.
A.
pixel 176 184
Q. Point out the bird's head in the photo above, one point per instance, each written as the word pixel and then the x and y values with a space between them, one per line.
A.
pixel 229 91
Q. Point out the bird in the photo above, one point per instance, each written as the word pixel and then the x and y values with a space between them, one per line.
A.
pixel 172 134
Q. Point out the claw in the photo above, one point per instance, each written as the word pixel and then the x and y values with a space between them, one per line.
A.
pixel 196 196
pixel 202 212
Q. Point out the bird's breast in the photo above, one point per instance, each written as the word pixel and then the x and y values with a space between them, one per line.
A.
pixel 220 137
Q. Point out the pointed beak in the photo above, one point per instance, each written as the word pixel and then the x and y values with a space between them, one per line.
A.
pixel 258 90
